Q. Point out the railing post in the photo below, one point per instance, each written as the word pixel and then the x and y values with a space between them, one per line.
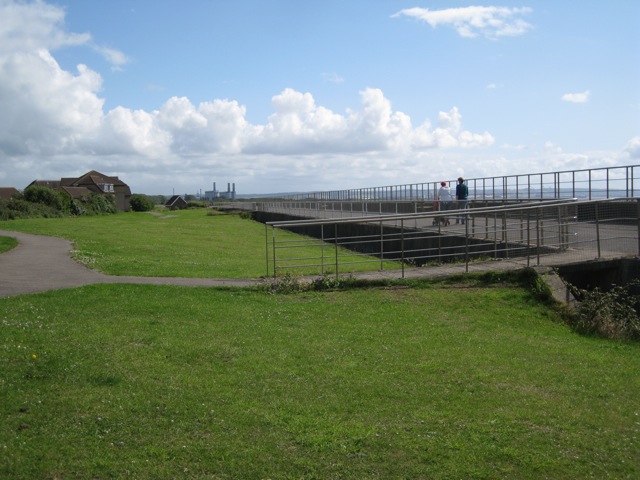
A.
pixel 528 238
pixel 335 239
pixel 273 240
pixel 486 221
pixel 495 234
pixel 597 227
pixel 504 234
pixel 541 186
pixel 466 247
pixel 563 228
pixel 538 235
pixel 381 246
pixel 322 249
pixel 266 242
pixel 402 243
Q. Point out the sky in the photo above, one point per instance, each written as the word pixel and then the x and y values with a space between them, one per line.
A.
pixel 313 95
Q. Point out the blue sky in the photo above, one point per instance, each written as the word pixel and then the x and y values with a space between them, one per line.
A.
pixel 293 95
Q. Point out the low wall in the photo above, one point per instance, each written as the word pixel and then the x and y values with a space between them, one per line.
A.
pixel 601 274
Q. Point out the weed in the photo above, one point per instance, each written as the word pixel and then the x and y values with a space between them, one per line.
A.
pixel 332 282
pixel 612 314
pixel 287 283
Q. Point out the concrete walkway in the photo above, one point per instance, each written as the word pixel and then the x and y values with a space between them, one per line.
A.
pixel 41 263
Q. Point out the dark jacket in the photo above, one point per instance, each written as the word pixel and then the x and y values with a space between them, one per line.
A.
pixel 461 191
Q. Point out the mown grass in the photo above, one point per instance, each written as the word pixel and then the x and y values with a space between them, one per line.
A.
pixel 188 243
pixel 7 243
pixel 471 378
pixel 115 381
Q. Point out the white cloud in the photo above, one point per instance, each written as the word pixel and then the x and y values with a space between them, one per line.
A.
pixel 332 78
pixel 26 27
pixel 550 147
pixel 469 22
pixel 582 97
pixel 633 147
pixel 116 58
pixel 45 108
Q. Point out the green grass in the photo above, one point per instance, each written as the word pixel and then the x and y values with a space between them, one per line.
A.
pixel 7 243
pixel 186 243
pixel 431 381
pixel 424 379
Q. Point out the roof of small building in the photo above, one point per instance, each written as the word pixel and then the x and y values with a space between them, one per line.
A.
pixel 8 192
pixel 175 199
pixel 45 183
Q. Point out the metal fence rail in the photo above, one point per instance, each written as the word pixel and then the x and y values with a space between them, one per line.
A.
pixel 590 184
pixel 542 233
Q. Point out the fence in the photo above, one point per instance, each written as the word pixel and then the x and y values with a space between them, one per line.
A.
pixel 540 233
pixel 589 184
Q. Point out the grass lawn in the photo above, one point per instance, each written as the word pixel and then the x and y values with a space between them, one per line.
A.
pixel 7 243
pixel 187 243
pixel 433 381
pixel 430 379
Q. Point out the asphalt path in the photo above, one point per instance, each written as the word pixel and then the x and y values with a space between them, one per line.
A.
pixel 40 263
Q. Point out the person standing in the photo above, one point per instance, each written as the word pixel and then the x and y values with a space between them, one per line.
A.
pixel 444 200
pixel 462 194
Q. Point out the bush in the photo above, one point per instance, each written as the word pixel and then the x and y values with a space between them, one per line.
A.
pixel 43 202
pixel 612 314
pixel 18 208
pixel 99 204
pixel 140 203
pixel 46 196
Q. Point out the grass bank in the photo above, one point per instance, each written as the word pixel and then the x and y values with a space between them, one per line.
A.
pixel 433 381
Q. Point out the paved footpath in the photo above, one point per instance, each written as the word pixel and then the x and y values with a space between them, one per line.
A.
pixel 40 263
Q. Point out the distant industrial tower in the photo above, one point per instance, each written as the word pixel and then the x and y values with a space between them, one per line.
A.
pixel 214 194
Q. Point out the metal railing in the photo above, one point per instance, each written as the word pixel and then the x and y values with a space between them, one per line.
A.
pixel 590 184
pixel 553 232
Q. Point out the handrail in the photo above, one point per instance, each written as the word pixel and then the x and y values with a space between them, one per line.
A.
pixel 620 181
pixel 411 216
